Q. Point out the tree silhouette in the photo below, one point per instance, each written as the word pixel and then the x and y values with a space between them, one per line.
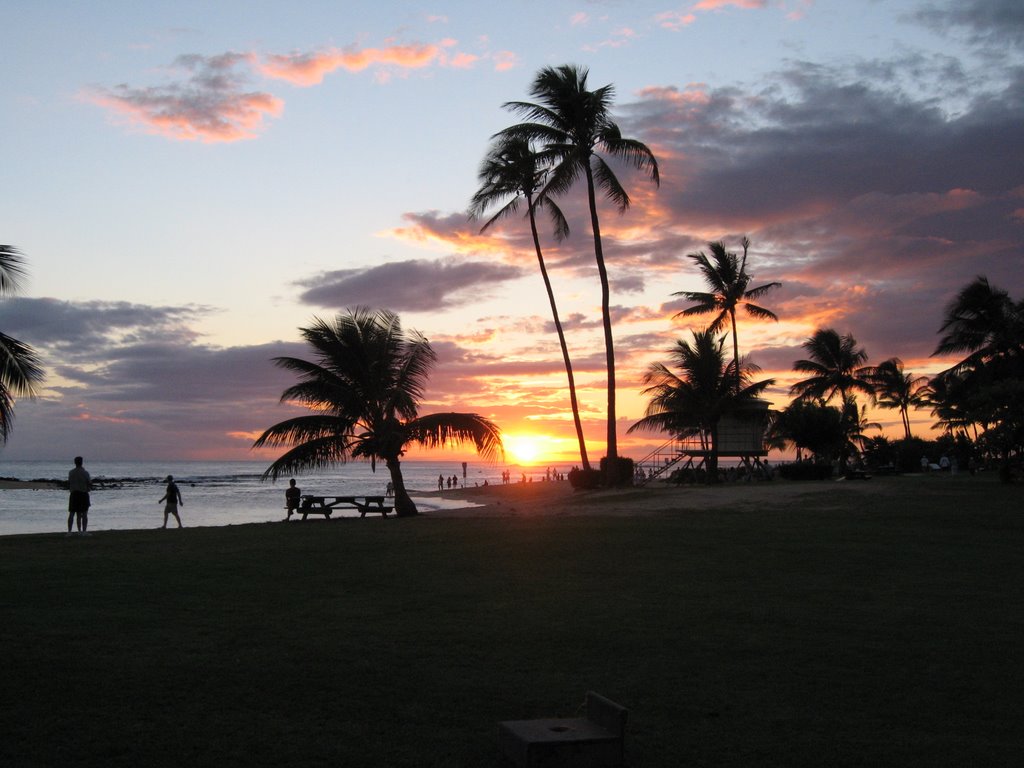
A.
pixel 363 388
pixel 21 372
pixel 726 277
pixel 572 125
pixel 511 173
pixel 836 367
pixel 694 400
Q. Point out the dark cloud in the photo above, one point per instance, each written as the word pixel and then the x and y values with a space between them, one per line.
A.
pixel 78 328
pixel 871 206
pixel 134 380
pixel 416 285
pixel 984 20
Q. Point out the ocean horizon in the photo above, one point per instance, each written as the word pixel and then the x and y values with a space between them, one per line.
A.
pixel 218 493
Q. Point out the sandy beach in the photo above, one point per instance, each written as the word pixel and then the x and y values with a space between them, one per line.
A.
pixel 559 499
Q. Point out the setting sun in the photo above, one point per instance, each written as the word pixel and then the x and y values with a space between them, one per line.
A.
pixel 524 449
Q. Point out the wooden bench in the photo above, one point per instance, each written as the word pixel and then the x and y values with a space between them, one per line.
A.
pixel 594 741
pixel 325 505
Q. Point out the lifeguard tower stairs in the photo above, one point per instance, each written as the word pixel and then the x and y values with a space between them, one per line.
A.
pixel 740 436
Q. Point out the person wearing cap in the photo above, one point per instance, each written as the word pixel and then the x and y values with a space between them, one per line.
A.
pixel 173 499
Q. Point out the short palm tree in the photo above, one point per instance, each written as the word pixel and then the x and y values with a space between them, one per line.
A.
pixel 572 125
pixel 512 174
pixel 836 367
pixel 694 400
pixel 21 372
pixel 363 387
pixel 898 390
pixel 726 277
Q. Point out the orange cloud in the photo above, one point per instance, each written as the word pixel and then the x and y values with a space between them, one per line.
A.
pixel 306 69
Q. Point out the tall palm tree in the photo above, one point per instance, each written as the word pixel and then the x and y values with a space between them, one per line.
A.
pixel 511 173
pixel 573 127
pixel 726 277
pixel 694 400
pixel 896 389
pixel 21 372
pixel 363 388
pixel 836 367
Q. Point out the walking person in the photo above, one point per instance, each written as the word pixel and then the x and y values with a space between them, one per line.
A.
pixel 79 484
pixel 173 499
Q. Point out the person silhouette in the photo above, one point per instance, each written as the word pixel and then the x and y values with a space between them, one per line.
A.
pixel 292 497
pixel 79 483
pixel 173 499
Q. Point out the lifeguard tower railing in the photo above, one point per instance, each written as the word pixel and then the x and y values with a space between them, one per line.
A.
pixel 739 436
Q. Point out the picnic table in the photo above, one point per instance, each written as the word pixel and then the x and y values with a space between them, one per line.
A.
pixel 325 505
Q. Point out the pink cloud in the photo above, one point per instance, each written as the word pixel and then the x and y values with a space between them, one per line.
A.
pixel 712 5
pixel 306 69
pixel 505 60
pixel 462 60
pixel 211 105
pixel 675 20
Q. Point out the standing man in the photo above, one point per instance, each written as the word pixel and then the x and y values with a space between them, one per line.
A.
pixel 78 502
pixel 173 499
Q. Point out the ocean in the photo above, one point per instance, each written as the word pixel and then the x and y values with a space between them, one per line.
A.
pixel 215 493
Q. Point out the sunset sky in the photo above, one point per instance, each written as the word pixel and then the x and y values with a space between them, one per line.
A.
pixel 191 182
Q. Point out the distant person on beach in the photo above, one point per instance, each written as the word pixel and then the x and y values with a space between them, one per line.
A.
pixel 389 491
pixel 292 497
pixel 173 499
pixel 79 483
pixel 440 482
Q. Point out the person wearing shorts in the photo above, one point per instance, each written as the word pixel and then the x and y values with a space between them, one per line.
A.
pixel 173 499
pixel 79 483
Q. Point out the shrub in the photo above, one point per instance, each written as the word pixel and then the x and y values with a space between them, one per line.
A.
pixel 585 479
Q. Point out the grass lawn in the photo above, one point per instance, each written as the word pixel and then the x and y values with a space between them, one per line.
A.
pixel 819 633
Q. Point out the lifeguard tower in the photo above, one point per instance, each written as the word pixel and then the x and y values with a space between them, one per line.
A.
pixel 740 436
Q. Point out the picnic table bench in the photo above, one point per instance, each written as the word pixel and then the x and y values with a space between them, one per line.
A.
pixel 325 505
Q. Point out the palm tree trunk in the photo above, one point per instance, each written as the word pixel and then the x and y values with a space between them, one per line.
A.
pixel 606 318
pixel 712 463
pixel 404 505
pixel 735 348
pixel 906 421
pixel 561 338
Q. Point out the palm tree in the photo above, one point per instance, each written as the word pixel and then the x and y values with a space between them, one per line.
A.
pixel 836 367
pixel 985 323
pixel 21 372
pixel 363 388
pixel 511 172
pixel 573 126
pixel 898 390
pixel 726 277
pixel 693 401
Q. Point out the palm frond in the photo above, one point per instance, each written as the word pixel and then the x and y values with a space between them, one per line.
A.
pixel 442 429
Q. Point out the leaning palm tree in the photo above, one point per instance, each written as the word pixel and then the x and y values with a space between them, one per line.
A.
pixel 511 174
pixel 836 367
pixel 21 371
pixel 572 126
pixel 898 390
pixel 726 277
pixel 363 388
pixel 694 400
